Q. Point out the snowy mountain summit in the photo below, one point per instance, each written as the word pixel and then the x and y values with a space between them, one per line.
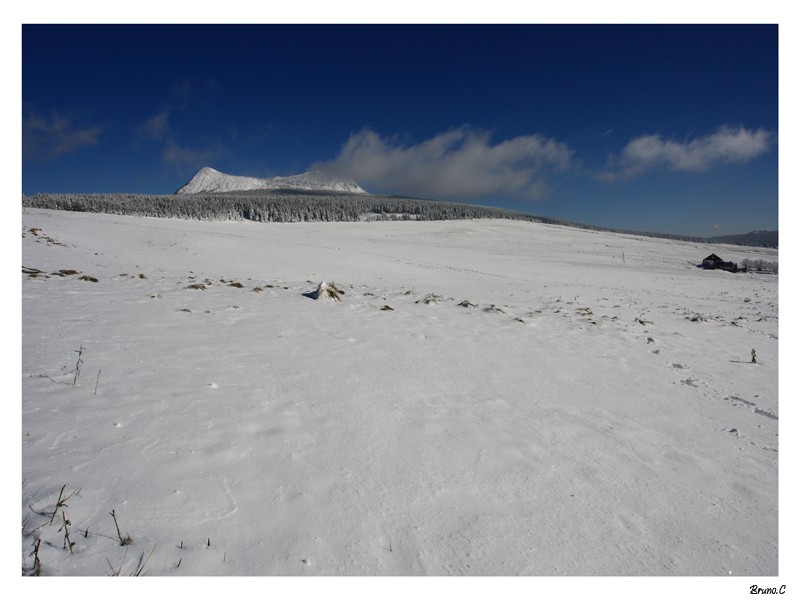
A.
pixel 211 180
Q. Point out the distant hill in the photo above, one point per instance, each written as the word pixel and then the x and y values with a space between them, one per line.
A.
pixel 208 180
pixel 764 239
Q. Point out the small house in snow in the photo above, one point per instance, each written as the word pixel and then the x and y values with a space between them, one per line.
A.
pixel 712 261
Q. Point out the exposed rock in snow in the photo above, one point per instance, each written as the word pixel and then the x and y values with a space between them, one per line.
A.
pixel 494 309
pixel 430 299
pixel 327 291
pixel 211 180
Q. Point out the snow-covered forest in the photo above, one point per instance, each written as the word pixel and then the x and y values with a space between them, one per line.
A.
pixel 274 206
pixel 292 206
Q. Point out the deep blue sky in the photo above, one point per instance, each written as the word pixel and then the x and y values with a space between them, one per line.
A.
pixel 657 128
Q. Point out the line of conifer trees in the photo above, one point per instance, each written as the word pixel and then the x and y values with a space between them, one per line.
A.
pixel 281 206
pixel 291 206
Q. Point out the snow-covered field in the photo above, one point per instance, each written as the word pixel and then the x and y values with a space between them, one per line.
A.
pixel 592 409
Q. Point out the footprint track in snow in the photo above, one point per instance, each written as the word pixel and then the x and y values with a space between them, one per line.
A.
pixel 734 400
pixel 738 435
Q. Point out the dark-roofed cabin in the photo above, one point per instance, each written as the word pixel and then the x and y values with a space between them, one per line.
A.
pixel 712 261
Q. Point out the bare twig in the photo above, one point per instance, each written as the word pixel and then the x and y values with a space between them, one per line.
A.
pixel 37 564
pixel 58 503
pixel 78 365
pixel 61 502
pixel 122 541
pixel 118 571
pixel 97 381
pixel 144 564
pixel 67 541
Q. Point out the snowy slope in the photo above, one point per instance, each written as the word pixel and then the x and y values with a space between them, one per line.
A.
pixel 592 409
pixel 211 180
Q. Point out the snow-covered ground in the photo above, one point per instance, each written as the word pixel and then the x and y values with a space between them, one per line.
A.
pixel 591 409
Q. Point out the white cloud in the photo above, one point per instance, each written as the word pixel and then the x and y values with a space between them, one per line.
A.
pixel 156 127
pixel 45 139
pixel 726 146
pixel 461 163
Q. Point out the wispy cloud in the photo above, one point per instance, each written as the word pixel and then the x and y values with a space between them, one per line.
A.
pixel 158 128
pixel 182 92
pixel 50 138
pixel 727 145
pixel 461 163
